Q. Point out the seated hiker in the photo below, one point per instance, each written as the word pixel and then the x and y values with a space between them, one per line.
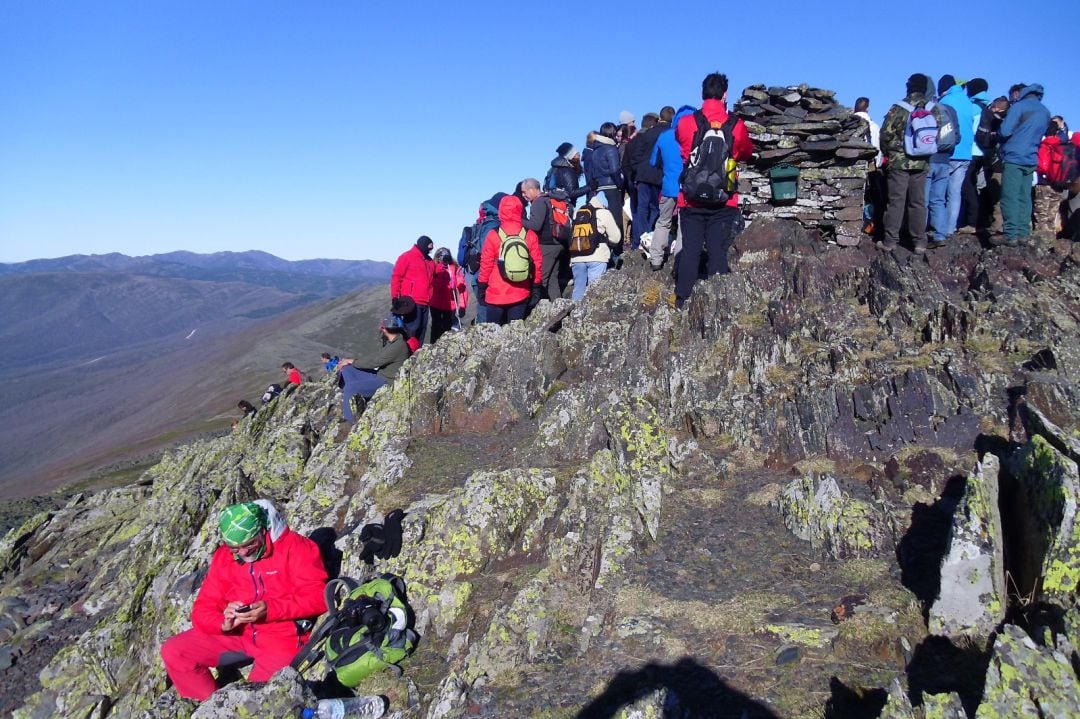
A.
pixel 330 363
pixel 246 408
pixel 262 579
pixel 365 381
pixel 292 375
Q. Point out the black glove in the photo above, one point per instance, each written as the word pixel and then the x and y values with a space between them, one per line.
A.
pixel 460 311
pixel 534 296
pixel 481 291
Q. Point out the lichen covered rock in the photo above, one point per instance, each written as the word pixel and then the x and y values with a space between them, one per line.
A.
pixel 1025 679
pixel 816 510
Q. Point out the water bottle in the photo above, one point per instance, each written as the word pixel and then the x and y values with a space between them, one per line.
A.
pixel 371 707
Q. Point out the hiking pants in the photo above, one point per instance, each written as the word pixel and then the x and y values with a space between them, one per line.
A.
pixel 552 271
pixel 1016 200
pixel 969 205
pixel 711 229
pixel 662 232
pixel 502 314
pixel 474 284
pixel 417 325
pixel 585 273
pixel 614 197
pixel 357 382
pixel 442 321
pixel 189 655
pixel 646 212
pixel 907 191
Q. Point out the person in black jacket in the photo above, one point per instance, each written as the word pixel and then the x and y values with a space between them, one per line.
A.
pixel 646 179
pixel 604 175
pixel 565 174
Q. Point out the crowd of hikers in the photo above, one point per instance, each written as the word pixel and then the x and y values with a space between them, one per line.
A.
pixel 951 161
pixel 956 161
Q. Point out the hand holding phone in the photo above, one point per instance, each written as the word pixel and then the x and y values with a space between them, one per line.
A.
pixel 241 610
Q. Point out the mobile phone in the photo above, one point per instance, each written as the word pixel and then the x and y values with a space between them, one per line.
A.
pixel 245 608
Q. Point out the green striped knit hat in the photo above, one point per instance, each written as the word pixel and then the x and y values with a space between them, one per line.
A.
pixel 241 522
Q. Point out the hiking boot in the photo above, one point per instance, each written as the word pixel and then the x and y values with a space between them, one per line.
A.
pixel 919 249
pixel 885 246
pixel 937 242
pixel 1011 241
pixel 657 268
pixel 965 230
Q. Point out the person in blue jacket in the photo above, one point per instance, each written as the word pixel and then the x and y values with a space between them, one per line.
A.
pixel 1020 134
pixel 666 155
pixel 954 95
pixel 604 173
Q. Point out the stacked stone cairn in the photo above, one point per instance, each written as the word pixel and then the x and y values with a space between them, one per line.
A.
pixel 805 127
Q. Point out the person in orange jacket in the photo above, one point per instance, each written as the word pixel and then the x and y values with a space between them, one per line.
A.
pixel 507 301
pixel 262 579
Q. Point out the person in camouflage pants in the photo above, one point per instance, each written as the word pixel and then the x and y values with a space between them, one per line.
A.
pixel 905 175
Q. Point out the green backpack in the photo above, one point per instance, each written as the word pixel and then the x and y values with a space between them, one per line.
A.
pixel 366 629
pixel 515 262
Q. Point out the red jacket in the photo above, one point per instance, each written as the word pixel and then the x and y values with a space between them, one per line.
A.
pixel 412 276
pixel 290 578
pixel 499 291
pixel 294 376
pixel 741 145
pixel 447 279
pixel 1050 158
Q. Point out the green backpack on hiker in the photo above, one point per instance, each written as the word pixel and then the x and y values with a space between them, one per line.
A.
pixel 515 262
pixel 366 629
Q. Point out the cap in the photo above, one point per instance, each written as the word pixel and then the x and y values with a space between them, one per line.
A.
pixel 626 117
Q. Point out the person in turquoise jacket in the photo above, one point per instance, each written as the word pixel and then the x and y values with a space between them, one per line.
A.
pixel 666 154
pixel 956 97
pixel 1021 132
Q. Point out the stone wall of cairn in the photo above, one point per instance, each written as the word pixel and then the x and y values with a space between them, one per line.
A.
pixel 805 127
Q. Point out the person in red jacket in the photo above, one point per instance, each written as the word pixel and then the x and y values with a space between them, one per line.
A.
pixel 412 277
pixel 708 227
pixel 292 375
pixel 449 295
pixel 507 301
pixel 261 580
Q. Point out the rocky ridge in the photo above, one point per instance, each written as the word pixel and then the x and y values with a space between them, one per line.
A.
pixel 760 506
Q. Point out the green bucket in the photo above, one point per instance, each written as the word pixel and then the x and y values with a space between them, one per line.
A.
pixel 784 183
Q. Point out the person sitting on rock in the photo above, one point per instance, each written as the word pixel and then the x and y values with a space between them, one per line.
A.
pixel 262 580
pixel 365 381
pixel 330 363
pixel 292 375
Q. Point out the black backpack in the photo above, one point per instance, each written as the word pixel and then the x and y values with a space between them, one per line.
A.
pixel 984 134
pixel 709 176
pixel 271 392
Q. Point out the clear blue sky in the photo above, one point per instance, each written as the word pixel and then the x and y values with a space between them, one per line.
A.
pixel 347 129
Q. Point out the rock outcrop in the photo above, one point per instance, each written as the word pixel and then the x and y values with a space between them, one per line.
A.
pixel 587 492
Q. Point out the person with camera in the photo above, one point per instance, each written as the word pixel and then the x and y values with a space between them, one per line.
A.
pixel 449 294
pixel 263 589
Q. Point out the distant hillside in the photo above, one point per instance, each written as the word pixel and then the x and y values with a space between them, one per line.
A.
pixel 105 359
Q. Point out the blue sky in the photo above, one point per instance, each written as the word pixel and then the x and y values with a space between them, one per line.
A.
pixel 347 129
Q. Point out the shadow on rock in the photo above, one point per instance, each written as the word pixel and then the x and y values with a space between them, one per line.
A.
pixel 324 538
pixel 926 542
pixel 688 690
pixel 939 666
pixel 854 703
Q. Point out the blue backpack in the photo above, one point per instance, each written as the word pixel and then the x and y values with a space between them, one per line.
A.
pixel 474 243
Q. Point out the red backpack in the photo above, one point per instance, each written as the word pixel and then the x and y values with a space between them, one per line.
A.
pixel 1062 168
pixel 561 224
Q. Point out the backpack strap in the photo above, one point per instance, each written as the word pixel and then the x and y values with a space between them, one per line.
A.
pixel 906 106
pixel 312 652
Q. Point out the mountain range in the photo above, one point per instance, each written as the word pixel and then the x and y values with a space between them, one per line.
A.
pixel 106 359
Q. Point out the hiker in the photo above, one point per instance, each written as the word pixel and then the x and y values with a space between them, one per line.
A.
pixel 667 155
pixel 875 193
pixel 262 579
pixel 246 408
pixel 550 230
pixel 1020 134
pixel 588 268
pixel 586 157
pixel 565 174
pixel 1056 171
pixel 510 276
pixel 292 375
pixel 329 363
pixel 709 217
pixel 364 382
pixel 472 244
pixel 948 168
pixel 412 277
pixel 646 177
pixel 449 295
pixel 905 175
pixel 977 173
pixel 604 175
